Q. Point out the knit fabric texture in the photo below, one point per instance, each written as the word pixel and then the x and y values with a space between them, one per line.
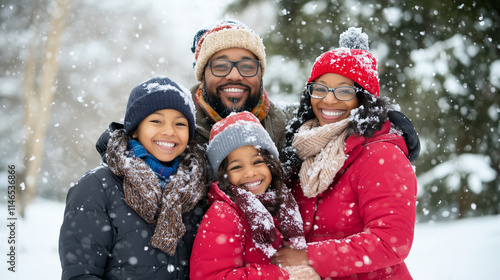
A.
pixel 224 35
pixel 161 207
pixel 162 170
pixel 352 60
pixel 322 150
pixel 302 272
pixel 235 131
pixel 255 208
pixel 157 94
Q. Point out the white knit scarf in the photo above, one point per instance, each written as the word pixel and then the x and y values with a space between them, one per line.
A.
pixel 322 150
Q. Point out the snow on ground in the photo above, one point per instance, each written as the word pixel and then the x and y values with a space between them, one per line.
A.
pixel 457 250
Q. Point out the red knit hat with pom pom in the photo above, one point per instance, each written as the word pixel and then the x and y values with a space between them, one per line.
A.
pixel 351 60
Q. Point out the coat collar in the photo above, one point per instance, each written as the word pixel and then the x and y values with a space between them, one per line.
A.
pixel 354 145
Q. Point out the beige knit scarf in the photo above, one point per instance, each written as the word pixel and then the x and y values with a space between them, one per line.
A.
pixel 161 207
pixel 322 150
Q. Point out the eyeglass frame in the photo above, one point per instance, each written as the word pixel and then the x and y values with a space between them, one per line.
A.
pixel 308 86
pixel 234 64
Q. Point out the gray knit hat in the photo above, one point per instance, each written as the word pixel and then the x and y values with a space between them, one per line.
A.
pixel 235 131
pixel 157 94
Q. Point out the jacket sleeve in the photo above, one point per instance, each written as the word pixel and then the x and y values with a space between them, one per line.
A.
pixel 219 248
pixel 409 133
pixel 86 234
pixel 275 122
pixel 385 184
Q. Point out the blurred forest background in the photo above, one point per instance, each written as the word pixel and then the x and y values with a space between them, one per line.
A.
pixel 67 68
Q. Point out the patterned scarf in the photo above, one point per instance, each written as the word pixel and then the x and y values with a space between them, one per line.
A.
pixel 255 208
pixel 260 110
pixel 322 150
pixel 161 207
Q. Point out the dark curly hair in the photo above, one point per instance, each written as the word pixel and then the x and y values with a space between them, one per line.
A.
pixel 194 149
pixel 365 120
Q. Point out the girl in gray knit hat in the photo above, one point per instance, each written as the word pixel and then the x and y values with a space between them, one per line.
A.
pixel 252 214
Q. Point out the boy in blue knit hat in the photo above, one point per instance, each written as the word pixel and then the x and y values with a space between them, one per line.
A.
pixel 136 215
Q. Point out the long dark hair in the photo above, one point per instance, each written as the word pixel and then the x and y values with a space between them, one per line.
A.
pixel 272 163
pixel 365 120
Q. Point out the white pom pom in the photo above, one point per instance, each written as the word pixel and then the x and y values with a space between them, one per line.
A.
pixel 354 38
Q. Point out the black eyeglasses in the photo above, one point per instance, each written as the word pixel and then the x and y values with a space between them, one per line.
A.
pixel 246 68
pixel 320 91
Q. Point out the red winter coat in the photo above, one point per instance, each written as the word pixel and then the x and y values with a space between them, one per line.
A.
pixel 361 227
pixel 223 247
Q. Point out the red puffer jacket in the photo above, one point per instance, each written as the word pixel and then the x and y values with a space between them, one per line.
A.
pixel 362 226
pixel 223 247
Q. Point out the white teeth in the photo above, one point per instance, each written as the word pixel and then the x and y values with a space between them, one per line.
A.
pixel 331 113
pixel 233 90
pixel 252 185
pixel 166 144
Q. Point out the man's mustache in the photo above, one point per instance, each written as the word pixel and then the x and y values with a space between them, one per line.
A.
pixel 219 88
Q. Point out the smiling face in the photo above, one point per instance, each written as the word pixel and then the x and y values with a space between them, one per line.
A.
pixel 232 93
pixel 247 169
pixel 164 134
pixel 330 109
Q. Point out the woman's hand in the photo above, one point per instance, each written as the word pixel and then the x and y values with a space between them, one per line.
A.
pixel 287 256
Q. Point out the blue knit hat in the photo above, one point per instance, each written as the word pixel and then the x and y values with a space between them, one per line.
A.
pixel 157 94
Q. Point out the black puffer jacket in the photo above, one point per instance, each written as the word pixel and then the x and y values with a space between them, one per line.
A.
pixel 103 238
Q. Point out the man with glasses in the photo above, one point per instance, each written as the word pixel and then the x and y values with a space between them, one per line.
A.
pixel 230 62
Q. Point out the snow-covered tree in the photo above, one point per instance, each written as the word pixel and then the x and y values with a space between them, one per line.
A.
pixel 438 60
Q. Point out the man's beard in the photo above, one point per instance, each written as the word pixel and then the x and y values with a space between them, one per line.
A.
pixel 214 100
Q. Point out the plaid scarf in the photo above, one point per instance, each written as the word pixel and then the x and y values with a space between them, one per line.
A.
pixel 256 211
pixel 161 207
pixel 260 110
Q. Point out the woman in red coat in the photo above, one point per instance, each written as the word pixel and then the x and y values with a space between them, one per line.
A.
pixel 350 172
